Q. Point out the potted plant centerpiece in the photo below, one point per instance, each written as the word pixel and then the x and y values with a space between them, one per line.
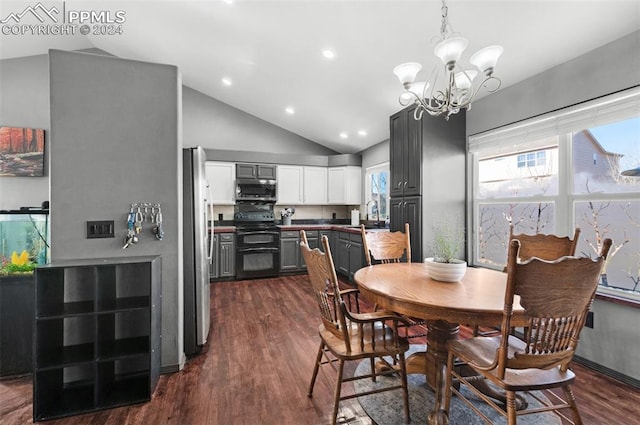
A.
pixel 448 240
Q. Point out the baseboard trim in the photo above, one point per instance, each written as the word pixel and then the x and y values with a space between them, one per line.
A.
pixel 608 372
pixel 173 368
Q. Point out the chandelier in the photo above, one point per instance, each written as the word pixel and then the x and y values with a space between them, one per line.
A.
pixel 459 89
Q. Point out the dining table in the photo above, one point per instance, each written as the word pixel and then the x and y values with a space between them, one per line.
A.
pixel 476 300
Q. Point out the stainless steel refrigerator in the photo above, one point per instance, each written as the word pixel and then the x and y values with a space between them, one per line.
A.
pixel 197 222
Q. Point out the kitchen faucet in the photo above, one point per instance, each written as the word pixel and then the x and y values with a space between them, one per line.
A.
pixel 377 211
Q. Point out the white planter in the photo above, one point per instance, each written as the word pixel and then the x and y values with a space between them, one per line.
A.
pixel 446 272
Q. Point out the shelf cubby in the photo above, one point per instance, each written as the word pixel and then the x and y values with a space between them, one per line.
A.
pixel 123 381
pixel 63 390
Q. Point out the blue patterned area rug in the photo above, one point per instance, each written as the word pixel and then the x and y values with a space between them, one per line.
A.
pixel 386 408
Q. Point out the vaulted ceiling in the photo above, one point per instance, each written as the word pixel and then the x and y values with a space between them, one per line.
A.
pixel 272 51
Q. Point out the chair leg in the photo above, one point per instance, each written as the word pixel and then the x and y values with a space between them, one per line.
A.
pixel 568 393
pixel 372 363
pixel 336 397
pixel 315 369
pixel 511 408
pixel 448 383
pixel 405 387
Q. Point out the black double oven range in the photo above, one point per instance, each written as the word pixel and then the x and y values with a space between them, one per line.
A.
pixel 257 236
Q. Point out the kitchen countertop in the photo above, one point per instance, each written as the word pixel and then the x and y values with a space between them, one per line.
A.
pixel 341 227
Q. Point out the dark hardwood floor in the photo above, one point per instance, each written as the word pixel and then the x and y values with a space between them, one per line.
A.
pixel 256 368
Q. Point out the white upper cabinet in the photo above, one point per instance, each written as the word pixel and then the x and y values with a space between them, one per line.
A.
pixel 221 177
pixel 289 183
pixel 344 185
pixel 315 185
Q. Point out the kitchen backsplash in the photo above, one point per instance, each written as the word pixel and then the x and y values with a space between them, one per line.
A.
pixel 303 212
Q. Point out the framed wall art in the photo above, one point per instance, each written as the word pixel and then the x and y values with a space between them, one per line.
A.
pixel 21 152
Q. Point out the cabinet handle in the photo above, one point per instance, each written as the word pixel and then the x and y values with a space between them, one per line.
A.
pixel 405 184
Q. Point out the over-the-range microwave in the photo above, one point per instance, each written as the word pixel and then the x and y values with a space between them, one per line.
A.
pixel 256 190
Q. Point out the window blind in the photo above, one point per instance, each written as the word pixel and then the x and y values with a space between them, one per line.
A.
pixel 539 132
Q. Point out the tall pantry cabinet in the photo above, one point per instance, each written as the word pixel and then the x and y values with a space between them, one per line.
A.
pixel 428 174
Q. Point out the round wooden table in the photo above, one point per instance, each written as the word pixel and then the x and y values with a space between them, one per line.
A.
pixel 406 288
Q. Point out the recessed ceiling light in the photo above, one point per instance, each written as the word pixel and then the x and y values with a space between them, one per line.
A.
pixel 289 110
pixel 362 133
pixel 328 53
pixel 227 81
pixel 344 135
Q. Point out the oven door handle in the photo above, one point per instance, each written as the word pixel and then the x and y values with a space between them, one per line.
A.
pixel 263 249
pixel 257 232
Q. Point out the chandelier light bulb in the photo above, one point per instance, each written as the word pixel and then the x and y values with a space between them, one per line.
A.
pixel 407 72
pixel 450 50
pixel 464 80
pixel 486 59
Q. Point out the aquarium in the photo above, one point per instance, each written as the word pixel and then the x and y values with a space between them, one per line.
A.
pixel 25 230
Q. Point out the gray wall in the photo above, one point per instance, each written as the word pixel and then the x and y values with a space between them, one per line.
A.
pixel 612 343
pixel 607 69
pixel 376 154
pixel 216 125
pixel 116 139
pixel 444 177
pixel 24 102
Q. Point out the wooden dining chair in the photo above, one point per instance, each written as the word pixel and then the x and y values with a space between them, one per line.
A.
pixel 386 247
pixel 382 247
pixel 556 297
pixel 347 336
pixel 540 245
pixel 544 246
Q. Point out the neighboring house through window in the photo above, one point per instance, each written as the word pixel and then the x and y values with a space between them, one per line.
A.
pixel 561 171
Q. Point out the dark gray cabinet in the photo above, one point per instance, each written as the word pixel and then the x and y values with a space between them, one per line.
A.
pixel 290 256
pixel 223 260
pixel 332 237
pixel 16 324
pixel 255 171
pixel 227 255
pixel 405 156
pixel 350 254
pixel 408 210
pixel 97 334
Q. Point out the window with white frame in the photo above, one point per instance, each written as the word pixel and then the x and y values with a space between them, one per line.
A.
pixel 377 187
pixel 561 171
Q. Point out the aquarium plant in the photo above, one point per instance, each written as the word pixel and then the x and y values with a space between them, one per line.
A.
pixel 18 264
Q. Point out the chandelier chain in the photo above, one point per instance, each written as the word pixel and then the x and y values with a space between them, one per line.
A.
pixel 444 27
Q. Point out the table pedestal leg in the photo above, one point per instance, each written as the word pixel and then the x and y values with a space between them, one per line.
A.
pixel 433 364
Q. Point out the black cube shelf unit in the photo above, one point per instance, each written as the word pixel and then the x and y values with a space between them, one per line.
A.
pixel 97 334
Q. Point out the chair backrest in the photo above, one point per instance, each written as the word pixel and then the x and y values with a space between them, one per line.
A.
pixel 324 282
pixel 556 296
pixel 386 247
pixel 546 247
